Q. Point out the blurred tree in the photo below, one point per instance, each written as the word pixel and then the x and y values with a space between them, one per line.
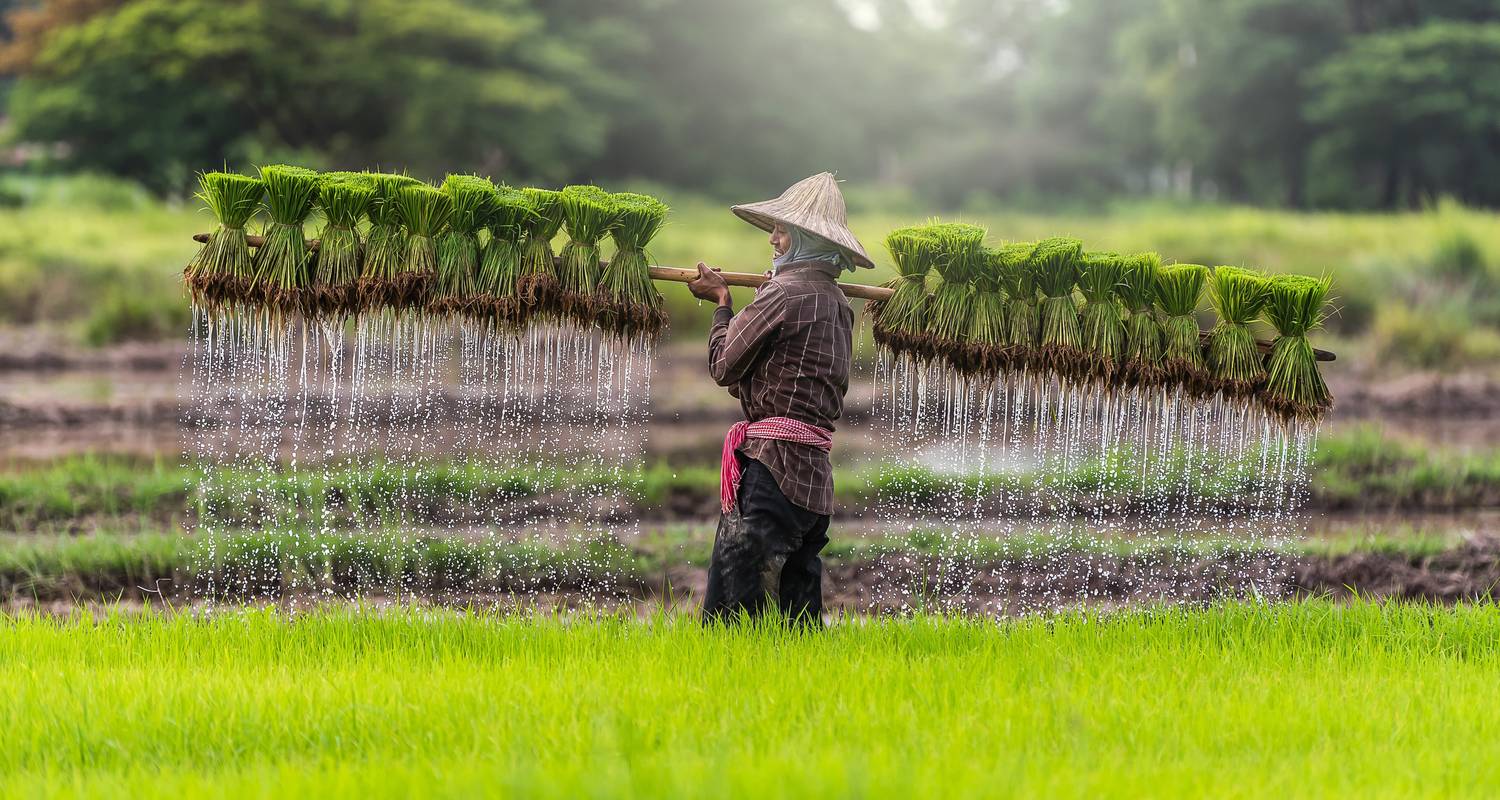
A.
pixel 154 89
pixel 1416 112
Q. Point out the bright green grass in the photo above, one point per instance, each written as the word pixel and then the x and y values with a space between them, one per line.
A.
pixel 1296 700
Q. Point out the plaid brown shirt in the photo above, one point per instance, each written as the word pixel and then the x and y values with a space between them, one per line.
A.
pixel 787 355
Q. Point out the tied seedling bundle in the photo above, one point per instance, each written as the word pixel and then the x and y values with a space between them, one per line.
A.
pixel 223 269
pixel 1178 291
pixel 1238 295
pixel 588 213
pixel 425 212
pixel 385 245
pixel 1294 387
pixel 500 262
pixel 344 198
pixel 1022 314
pixel 632 304
pixel 987 354
pixel 283 280
pixel 1056 262
pixel 454 289
pixel 537 285
pixel 960 257
pixel 1144 346
pixel 900 323
pixel 1103 324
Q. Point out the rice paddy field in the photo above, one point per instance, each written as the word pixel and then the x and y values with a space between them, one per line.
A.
pixel 1307 699
pixel 384 581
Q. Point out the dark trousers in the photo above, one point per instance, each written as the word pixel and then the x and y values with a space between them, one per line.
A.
pixel 766 553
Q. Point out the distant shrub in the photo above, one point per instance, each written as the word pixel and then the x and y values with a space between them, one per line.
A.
pixel 1458 255
pixel 126 317
pixel 1433 338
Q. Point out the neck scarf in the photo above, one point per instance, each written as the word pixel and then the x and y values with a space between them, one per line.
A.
pixel 808 247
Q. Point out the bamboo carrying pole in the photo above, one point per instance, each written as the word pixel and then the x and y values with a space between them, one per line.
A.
pixel 749 280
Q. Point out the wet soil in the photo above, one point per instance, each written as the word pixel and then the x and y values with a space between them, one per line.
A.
pixel 904 583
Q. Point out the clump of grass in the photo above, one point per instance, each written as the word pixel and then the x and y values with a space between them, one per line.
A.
pixel 454 290
pixel 1102 321
pixel 385 246
pixel 282 276
pixel 1237 295
pixel 224 266
pixel 538 285
pixel 1056 262
pixel 633 304
pixel 1294 388
pixel 960 257
pixel 1144 345
pixel 343 197
pixel 588 214
pixel 1178 291
pixel 987 353
pixel 1021 309
pixel 901 322
pixel 425 212
pixel 500 261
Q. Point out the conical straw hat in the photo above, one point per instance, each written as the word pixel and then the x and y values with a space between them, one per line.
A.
pixel 813 204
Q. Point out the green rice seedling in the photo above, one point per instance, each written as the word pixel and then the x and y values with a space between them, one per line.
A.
pixel 1021 309
pixel 1056 262
pixel 633 304
pixel 500 260
pixel 901 322
pixel 1234 358
pixel 385 246
pixel 1179 288
pixel 1102 320
pixel 425 212
pixel 961 256
pixel 224 266
pixel 454 289
pixel 1144 346
pixel 538 285
pixel 987 353
pixel 588 214
pixel 1294 388
pixel 283 279
pixel 343 197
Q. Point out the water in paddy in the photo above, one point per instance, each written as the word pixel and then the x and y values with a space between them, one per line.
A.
pixel 1089 486
pixel 397 430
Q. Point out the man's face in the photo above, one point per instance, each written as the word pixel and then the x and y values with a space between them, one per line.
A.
pixel 780 240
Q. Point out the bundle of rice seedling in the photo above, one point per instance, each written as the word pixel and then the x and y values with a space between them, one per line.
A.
pixel 986 350
pixel 500 262
pixel 385 246
pixel 1238 295
pixel 1022 314
pixel 537 285
pixel 1178 290
pixel 283 279
pixel 588 214
pixel 1144 347
pixel 223 269
pixel 1294 387
pixel 454 288
pixel 1056 263
pixel 1102 321
pixel 343 197
pixel 425 212
pixel 900 322
pixel 634 306
pixel 960 257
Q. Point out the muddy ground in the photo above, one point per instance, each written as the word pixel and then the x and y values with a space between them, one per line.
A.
pixel 902 584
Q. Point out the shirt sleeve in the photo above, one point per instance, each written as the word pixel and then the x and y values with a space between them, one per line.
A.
pixel 736 341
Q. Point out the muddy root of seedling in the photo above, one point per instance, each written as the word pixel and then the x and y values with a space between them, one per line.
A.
pixel 630 320
pixel 540 294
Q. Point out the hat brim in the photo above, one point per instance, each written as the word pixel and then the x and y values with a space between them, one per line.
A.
pixel 768 215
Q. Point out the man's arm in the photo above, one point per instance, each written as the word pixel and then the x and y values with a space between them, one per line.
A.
pixel 736 341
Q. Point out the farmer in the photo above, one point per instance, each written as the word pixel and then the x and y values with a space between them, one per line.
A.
pixel 786 358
